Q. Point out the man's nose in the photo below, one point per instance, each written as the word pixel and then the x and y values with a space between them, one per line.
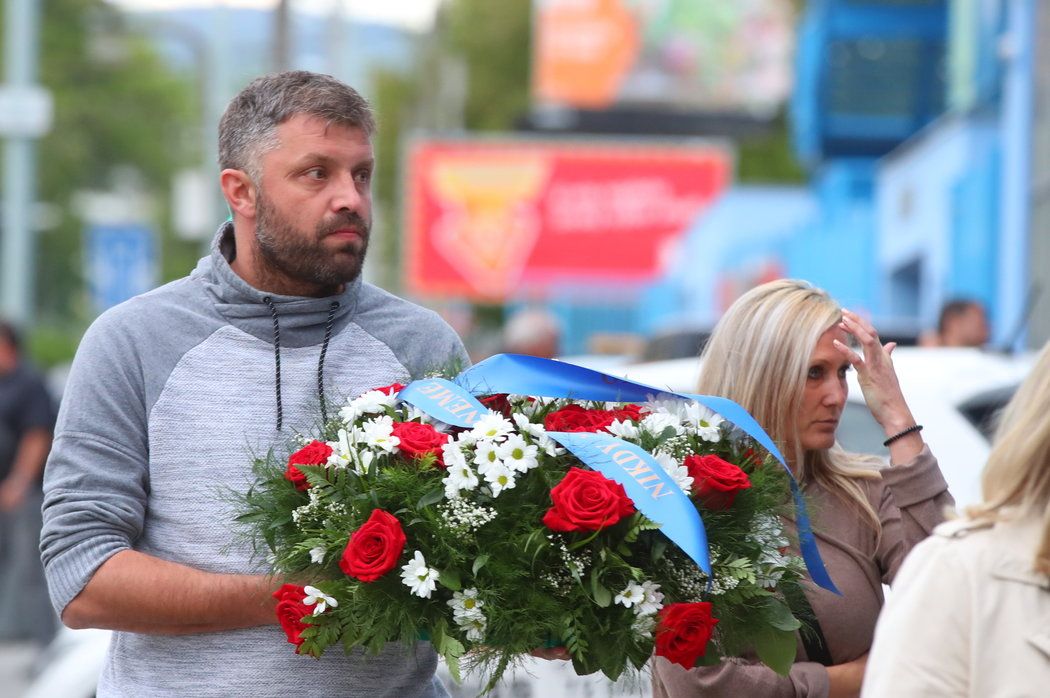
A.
pixel 347 195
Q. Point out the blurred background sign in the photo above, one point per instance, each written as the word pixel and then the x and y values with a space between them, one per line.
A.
pixel 25 111
pixel 663 54
pixel 121 262
pixel 491 219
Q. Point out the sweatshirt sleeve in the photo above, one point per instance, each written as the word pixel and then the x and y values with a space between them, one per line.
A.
pixel 96 480
pixel 738 677
pixel 914 498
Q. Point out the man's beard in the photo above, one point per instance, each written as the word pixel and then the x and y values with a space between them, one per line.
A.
pixel 301 257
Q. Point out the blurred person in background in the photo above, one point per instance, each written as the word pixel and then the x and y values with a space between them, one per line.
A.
pixel 171 392
pixel 962 323
pixel 970 611
pixel 27 417
pixel 781 352
pixel 534 332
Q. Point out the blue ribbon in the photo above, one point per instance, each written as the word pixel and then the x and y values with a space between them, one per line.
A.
pixel 530 375
pixel 652 490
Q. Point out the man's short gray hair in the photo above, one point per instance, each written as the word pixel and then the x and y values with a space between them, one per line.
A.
pixel 248 128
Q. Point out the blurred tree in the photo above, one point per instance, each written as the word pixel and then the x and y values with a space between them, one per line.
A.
pixel 493 38
pixel 119 113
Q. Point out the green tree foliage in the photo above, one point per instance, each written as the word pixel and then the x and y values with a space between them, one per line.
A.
pixel 118 112
pixel 494 40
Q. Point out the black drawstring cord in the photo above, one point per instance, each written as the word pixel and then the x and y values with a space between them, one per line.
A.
pixel 320 362
pixel 276 359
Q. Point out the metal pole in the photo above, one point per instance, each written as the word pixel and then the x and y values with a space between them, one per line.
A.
pixel 17 262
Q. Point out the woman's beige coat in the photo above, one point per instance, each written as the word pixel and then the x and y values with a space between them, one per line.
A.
pixel 968 616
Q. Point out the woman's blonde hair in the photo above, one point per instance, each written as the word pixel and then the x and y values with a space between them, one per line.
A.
pixel 758 356
pixel 1018 472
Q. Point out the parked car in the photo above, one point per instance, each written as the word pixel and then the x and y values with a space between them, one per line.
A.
pixel 954 393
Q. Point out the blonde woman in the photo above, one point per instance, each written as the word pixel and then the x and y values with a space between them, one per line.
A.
pixel 970 613
pixel 781 351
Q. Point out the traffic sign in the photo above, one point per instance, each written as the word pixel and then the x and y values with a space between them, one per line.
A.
pixel 121 263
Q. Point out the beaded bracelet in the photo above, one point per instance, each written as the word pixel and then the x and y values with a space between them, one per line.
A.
pixel 904 432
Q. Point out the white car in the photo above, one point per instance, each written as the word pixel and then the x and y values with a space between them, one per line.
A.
pixel 953 393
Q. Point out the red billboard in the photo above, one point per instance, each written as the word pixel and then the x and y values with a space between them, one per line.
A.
pixel 492 219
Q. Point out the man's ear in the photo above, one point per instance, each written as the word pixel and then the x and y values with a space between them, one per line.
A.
pixel 239 192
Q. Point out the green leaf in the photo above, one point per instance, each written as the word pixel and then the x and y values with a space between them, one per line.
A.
pixel 479 562
pixel 449 579
pixel 431 497
pixel 776 649
pixel 602 596
pixel 779 616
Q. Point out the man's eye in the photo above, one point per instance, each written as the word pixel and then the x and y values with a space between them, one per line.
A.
pixel 364 176
pixel 315 173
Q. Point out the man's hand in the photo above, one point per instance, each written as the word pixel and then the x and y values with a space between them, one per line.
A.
pixel 845 679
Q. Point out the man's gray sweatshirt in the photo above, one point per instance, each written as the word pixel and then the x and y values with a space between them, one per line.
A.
pixel 169 396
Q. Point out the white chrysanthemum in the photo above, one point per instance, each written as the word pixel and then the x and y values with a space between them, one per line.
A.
pixel 459 477
pixel 318 599
pixel 632 595
pixel 452 455
pixel 657 423
pixel 466 439
pixel 475 628
pixel 492 426
pixel 378 433
pixel 466 605
pixel 625 429
pixel 707 424
pixel 342 450
pixel 317 555
pixel 652 601
pixel 499 477
pixel 372 402
pixel 518 455
pixel 538 434
pixel 418 577
pixel 486 455
pixel 676 470
pixel 643 626
pixel 413 413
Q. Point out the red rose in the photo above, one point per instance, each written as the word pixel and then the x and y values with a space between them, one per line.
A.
pixel 586 500
pixel 392 389
pixel 290 612
pixel 684 631
pixel 497 403
pixel 628 412
pixel 715 481
pixel 313 453
pixel 574 418
pixel 418 439
pixel 373 549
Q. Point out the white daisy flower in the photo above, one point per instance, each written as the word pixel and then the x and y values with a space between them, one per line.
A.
pixel 676 470
pixel 538 434
pixel 656 424
pixel 466 605
pixel 372 402
pixel 422 580
pixel 378 433
pixel 518 455
pixel 486 455
pixel 644 626
pixel 317 555
pixel 363 460
pixel 342 450
pixel 633 594
pixel 318 597
pixel 652 601
pixel 413 413
pixel 459 477
pixel 708 428
pixel 492 426
pixel 475 628
pixel 452 455
pixel 625 429
pixel 499 477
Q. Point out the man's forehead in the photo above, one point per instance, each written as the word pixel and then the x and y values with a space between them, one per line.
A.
pixel 309 127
